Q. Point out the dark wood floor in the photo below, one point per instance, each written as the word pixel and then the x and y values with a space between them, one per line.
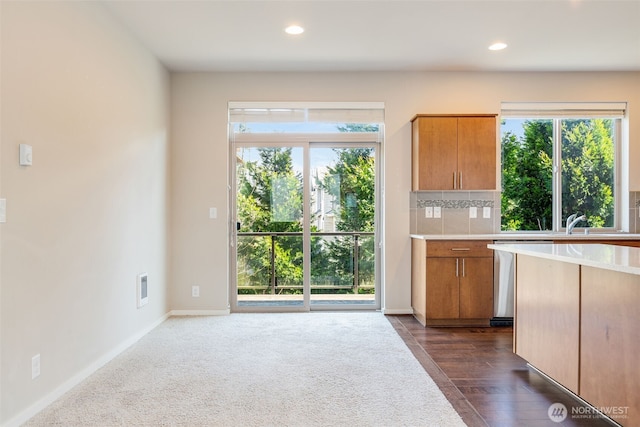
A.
pixel 485 381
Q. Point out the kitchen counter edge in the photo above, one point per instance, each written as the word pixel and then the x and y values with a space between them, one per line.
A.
pixel 529 236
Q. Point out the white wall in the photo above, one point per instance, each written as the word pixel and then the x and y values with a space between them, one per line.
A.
pixel 91 213
pixel 199 156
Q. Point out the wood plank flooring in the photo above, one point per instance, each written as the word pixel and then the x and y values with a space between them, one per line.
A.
pixel 485 381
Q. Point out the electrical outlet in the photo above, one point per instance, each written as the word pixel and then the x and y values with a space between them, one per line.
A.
pixel 486 212
pixel 437 212
pixel 428 212
pixel 473 212
pixel 35 366
pixel 195 291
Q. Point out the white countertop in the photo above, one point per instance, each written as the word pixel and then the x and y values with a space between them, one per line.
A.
pixel 530 236
pixel 610 257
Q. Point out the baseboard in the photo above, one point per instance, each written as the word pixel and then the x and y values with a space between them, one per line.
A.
pixel 397 311
pixel 199 312
pixel 47 400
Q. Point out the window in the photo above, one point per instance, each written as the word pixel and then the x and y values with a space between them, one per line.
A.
pixel 558 161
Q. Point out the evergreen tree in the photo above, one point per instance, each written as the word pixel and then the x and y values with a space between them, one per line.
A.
pixel 587 170
pixel 587 173
pixel 352 181
pixel 527 177
pixel 269 199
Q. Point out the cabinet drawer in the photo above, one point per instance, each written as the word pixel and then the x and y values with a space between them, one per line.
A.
pixel 459 248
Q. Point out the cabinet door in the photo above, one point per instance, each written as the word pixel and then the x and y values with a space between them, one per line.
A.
pixel 547 323
pixel 610 341
pixel 435 149
pixel 443 291
pixel 477 153
pixel 476 288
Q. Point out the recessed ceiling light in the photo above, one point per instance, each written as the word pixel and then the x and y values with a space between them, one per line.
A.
pixel 497 46
pixel 294 30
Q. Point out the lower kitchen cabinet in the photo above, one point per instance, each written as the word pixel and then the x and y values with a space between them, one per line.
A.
pixel 547 327
pixel 456 278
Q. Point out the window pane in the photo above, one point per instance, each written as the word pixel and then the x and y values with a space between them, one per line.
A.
pixel 588 171
pixel 527 174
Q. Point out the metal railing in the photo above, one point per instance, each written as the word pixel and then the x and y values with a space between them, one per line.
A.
pixel 273 287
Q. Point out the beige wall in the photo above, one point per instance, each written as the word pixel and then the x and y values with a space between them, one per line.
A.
pixel 199 156
pixel 91 213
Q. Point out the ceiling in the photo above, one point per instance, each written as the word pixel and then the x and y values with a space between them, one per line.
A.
pixel 387 35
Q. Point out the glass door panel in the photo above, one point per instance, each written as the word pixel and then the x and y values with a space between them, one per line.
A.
pixel 342 222
pixel 269 238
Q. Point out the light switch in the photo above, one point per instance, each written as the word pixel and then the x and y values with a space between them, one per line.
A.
pixel 473 212
pixel 26 155
pixel 428 212
pixel 3 210
pixel 486 212
pixel 437 212
pixel 213 213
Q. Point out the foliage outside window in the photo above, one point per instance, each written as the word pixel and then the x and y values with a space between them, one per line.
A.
pixel 270 199
pixel 581 151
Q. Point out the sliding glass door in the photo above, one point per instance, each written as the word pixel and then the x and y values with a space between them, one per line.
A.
pixel 304 199
pixel 305 231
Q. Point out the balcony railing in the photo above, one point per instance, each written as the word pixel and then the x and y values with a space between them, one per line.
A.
pixel 341 262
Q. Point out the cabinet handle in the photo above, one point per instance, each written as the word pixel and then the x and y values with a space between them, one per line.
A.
pixel 454 181
pixel 460 180
pixel 457 267
pixel 463 272
pixel 460 249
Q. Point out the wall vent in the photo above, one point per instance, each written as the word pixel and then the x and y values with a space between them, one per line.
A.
pixel 142 287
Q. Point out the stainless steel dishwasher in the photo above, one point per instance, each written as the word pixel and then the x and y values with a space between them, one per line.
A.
pixel 503 280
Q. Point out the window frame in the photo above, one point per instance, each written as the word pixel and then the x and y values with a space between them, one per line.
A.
pixel 557 112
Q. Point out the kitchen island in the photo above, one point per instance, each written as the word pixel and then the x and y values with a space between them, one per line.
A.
pixel 577 321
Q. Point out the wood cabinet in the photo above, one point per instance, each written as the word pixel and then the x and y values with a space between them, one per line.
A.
pixel 578 324
pixel 454 152
pixel 454 284
pixel 610 343
pixel 547 324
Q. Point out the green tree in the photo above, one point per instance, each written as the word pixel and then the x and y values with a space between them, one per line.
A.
pixel 527 176
pixel 588 170
pixel 587 173
pixel 269 199
pixel 351 181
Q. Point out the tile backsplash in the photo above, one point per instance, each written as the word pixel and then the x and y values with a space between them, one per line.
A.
pixel 634 211
pixel 457 208
pixel 460 212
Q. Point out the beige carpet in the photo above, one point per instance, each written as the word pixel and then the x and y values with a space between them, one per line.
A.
pixel 306 369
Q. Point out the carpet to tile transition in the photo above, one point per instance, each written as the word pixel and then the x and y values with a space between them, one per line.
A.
pixel 289 369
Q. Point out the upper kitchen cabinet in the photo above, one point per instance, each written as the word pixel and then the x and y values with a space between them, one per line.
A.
pixel 454 152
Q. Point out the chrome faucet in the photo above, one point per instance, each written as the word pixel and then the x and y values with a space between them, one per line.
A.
pixel 573 220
